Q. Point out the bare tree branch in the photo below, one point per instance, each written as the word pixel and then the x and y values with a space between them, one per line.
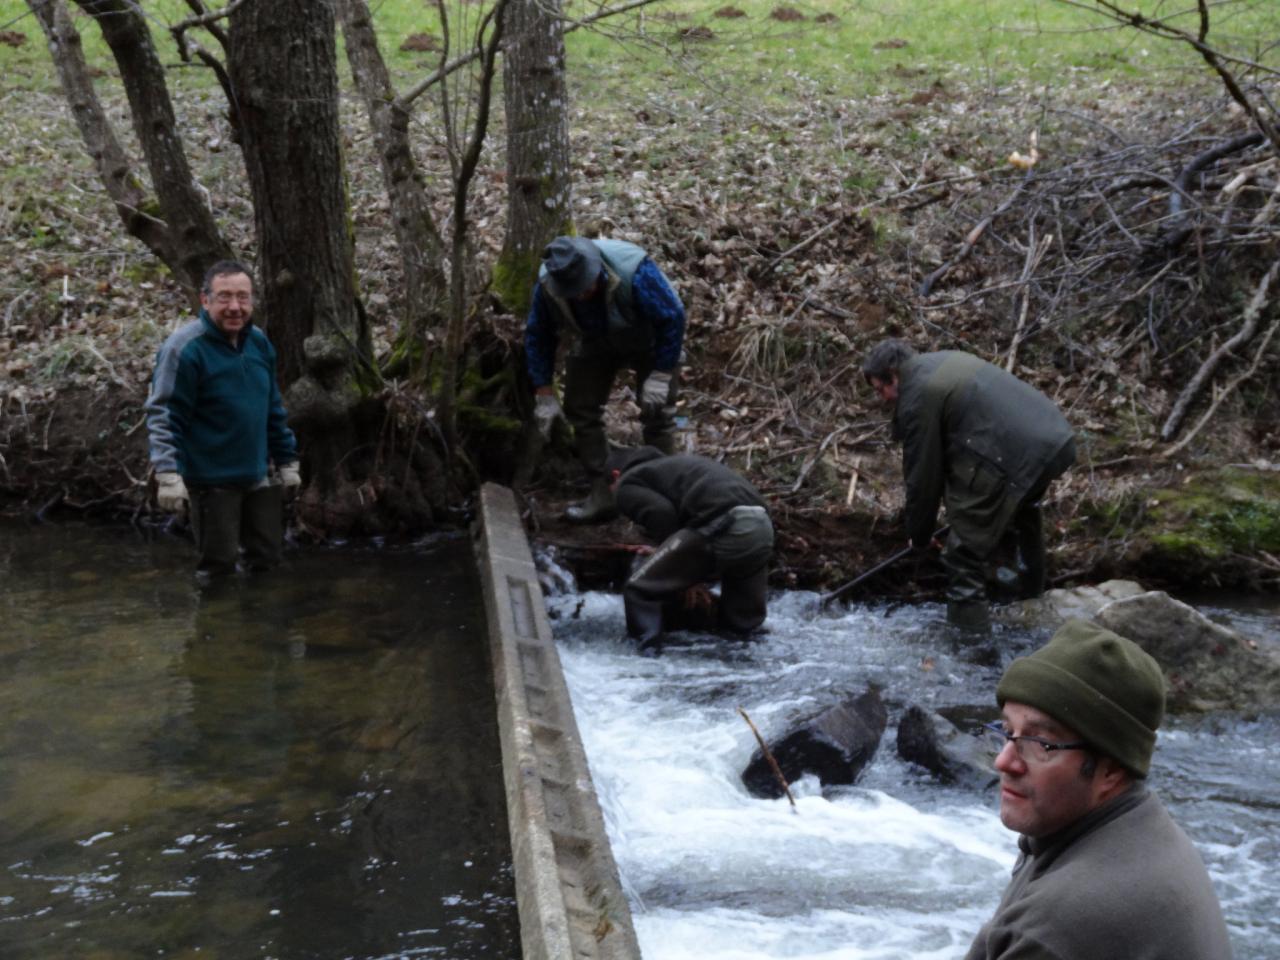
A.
pixel 1242 336
pixel 405 100
pixel 115 168
pixel 1217 60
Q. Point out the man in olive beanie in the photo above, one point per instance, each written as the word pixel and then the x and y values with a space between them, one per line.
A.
pixel 1103 873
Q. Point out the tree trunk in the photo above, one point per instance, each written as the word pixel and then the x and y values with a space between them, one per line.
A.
pixel 284 72
pixel 184 209
pixel 283 68
pixel 138 212
pixel 426 288
pixel 538 175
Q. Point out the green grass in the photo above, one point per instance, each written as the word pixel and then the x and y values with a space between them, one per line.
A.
pixel 646 93
pixel 865 48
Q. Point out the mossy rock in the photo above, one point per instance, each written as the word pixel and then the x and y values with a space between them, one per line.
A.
pixel 481 421
pixel 1215 518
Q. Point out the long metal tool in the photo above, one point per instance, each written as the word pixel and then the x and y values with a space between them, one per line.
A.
pixel 828 598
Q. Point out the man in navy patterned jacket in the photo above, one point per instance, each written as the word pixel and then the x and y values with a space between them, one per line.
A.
pixel 619 312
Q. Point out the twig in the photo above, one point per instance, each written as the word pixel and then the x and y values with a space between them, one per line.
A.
pixel 1247 329
pixel 1036 249
pixel 821 231
pixel 1178 230
pixel 206 19
pixel 1226 391
pixel 858 211
pixel 826 441
pixel 404 101
pixel 12 309
pixel 773 764
pixel 974 236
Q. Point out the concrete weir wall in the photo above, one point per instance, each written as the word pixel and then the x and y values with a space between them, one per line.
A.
pixel 569 897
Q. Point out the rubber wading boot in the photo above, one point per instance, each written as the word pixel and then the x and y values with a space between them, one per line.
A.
pixel 598 507
pixel 969 616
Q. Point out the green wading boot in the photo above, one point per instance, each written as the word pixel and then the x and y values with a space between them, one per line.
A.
pixel 971 617
pixel 597 508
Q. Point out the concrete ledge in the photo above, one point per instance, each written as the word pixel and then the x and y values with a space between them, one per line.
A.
pixel 568 894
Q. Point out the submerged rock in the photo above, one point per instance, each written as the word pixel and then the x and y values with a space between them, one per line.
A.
pixel 331 632
pixel 953 755
pixel 1207 666
pixel 1056 607
pixel 835 745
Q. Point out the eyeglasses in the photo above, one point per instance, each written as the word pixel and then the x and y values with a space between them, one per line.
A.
pixel 225 297
pixel 1029 749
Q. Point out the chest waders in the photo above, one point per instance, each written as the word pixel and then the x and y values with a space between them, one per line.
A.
pixel 734 549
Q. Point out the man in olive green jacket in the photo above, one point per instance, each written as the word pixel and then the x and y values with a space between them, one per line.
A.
pixel 984 443
pixel 1104 873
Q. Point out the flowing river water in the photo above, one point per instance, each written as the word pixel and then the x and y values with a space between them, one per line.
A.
pixel 305 765
pixel 896 867
pixel 301 765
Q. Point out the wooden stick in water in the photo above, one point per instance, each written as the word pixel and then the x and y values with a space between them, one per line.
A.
pixel 773 764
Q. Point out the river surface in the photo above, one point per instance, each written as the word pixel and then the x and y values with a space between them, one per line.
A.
pixel 301 765
pixel 896 866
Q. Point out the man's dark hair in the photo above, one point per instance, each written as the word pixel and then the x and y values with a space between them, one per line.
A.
pixel 1088 766
pixel 885 359
pixel 223 268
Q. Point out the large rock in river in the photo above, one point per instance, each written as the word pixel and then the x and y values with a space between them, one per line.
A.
pixel 944 749
pixel 1056 607
pixel 835 745
pixel 1207 666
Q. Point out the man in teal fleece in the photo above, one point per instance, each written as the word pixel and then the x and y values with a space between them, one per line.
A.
pixel 217 423
pixel 1104 873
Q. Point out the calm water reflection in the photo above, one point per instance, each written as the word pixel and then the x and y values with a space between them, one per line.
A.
pixel 303 765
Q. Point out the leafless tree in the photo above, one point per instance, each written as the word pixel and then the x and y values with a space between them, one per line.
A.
pixel 466 98
pixel 538 171
pixel 138 211
pixel 426 285
pixel 195 240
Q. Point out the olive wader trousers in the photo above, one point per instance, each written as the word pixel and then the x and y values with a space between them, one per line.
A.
pixel 226 519
pixel 980 516
pixel 734 549
pixel 588 381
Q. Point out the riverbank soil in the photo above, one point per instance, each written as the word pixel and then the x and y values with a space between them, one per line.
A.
pixel 797 239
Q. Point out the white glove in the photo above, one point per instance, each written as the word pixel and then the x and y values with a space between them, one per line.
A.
pixel 291 479
pixel 655 391
pixel 546 411
pixel 171 493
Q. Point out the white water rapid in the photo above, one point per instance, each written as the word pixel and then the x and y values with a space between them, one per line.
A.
pixel 897 866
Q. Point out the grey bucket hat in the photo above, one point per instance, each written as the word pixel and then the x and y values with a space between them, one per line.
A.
pixel 573 265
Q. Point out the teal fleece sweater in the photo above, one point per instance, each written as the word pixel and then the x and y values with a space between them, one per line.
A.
pixel 215 414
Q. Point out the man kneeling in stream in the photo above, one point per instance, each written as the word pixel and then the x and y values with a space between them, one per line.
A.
pixel 711 524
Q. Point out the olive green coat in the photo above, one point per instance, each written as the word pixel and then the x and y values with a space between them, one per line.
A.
pixel 976 435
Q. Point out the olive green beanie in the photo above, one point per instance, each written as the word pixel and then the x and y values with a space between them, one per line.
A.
pixel 1108 689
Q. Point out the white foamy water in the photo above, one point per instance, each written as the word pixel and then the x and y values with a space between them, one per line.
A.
pixel 894 867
